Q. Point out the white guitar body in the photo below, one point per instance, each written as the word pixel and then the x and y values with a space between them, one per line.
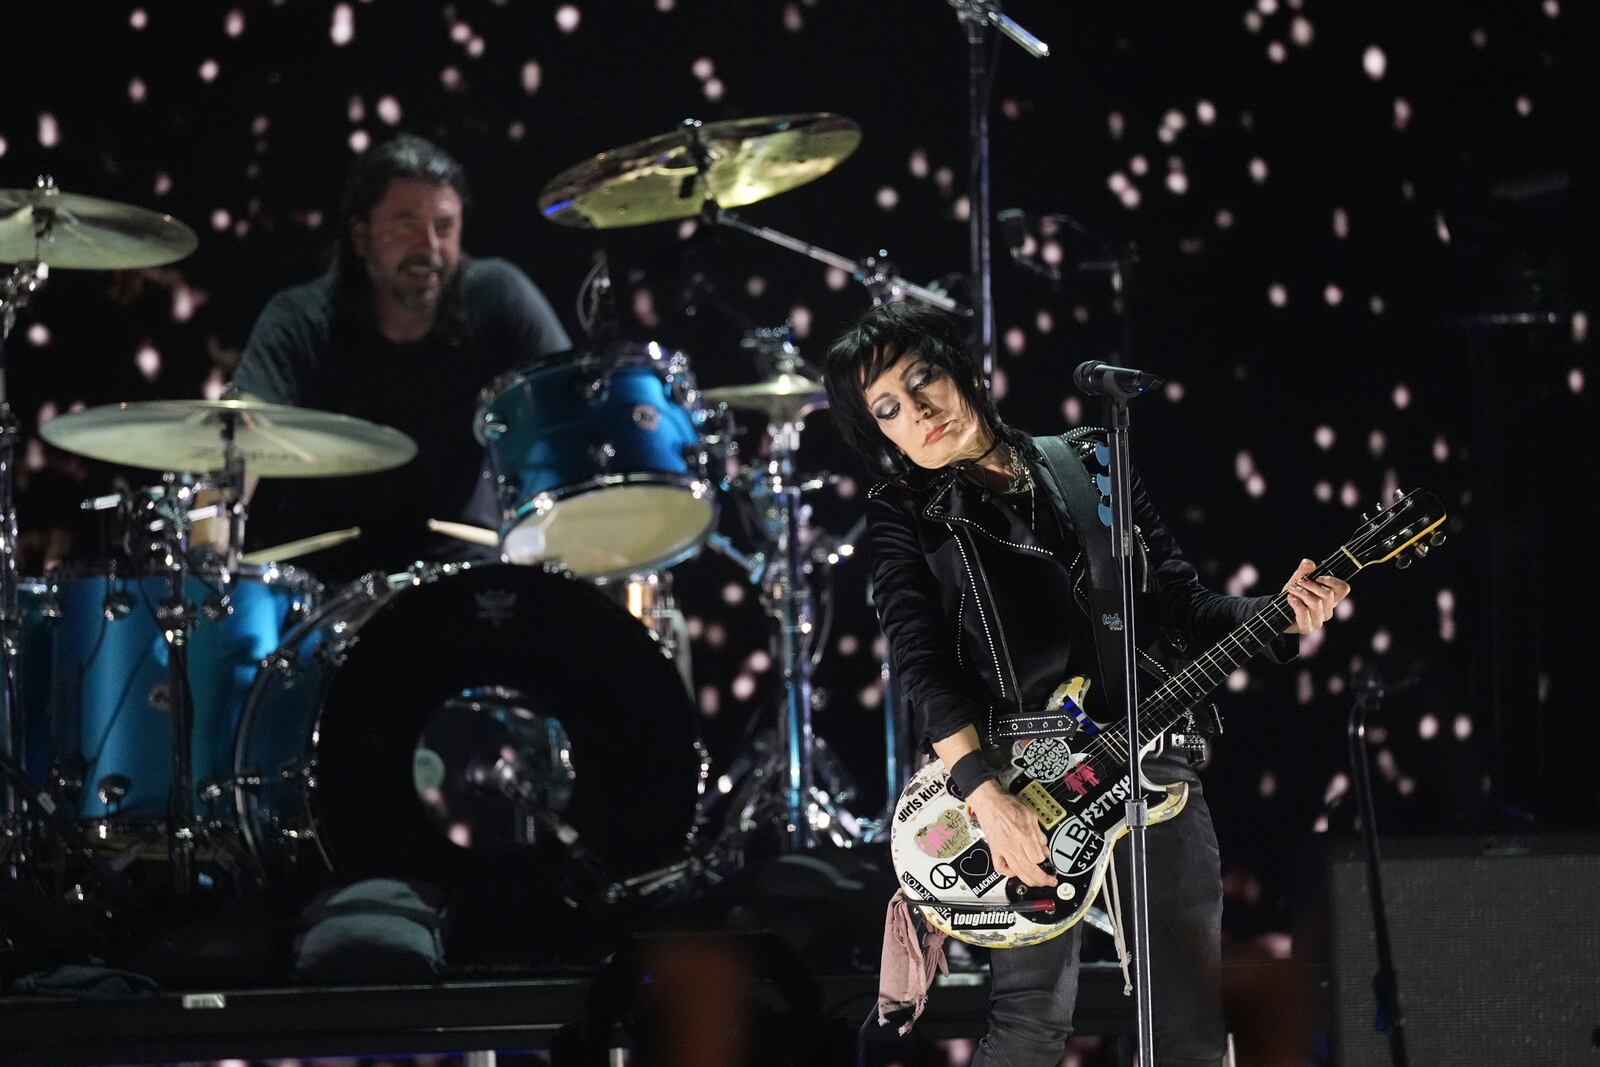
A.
pixel 940 854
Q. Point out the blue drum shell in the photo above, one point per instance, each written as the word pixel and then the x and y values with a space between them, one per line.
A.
pixel 110 708
pixel 551 426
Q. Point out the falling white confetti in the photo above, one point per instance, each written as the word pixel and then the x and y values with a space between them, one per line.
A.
pixel 360 141
pixel 148 360
pixel 888 198
pixel 1333 295
pixel 1277 295
pixel 136 90
pixel 1258 170
pixel 531 76
pixel 209 70
pixel 343 29
pixel 1374 62
pixel 1341 223
pixel 389 110
pixel 49 130
pixel 233 25
pixel 567 18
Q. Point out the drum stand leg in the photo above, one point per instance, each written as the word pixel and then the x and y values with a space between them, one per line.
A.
pixel 788 596
pixel 15 288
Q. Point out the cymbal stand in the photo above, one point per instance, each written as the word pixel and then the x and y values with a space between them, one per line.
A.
pixel 787 593
pixel 176 618
pixel 874 272
pixel 16 287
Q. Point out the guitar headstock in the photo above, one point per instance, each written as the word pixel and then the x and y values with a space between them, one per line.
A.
pixel 1400 533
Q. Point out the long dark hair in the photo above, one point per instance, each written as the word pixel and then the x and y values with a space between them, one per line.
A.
pixel 871 346
pixel 402 156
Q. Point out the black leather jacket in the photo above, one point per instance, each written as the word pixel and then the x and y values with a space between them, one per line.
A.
pixel 984 621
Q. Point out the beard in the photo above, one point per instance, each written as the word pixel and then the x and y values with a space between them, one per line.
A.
pixel 416 292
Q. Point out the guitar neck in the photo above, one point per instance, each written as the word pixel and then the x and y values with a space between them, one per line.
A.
pixel 1165 706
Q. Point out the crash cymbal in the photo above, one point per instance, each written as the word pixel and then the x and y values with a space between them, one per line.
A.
pixel 274 440
pixel 69 231
pixel 787 395
pixel 745 160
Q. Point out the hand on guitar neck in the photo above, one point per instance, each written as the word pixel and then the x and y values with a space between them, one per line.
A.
pixel 1312 599
pixel 1012 829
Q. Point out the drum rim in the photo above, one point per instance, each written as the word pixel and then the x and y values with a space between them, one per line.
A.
pixel 669 364
pixel 269 574
pixel 700 488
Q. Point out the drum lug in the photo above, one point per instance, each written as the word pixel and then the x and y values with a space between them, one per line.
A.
pixel 491 429
pixel 602 454
pixel 281 663
pixel 593 390
pixel 116 606
pixel 333 652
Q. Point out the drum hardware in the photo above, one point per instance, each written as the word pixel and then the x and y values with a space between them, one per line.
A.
pixel 875 273
pixel 41 228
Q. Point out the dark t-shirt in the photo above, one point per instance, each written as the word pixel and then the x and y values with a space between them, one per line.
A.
pixel 302 351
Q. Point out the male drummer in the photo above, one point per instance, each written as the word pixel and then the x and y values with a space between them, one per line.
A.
pixel 402 330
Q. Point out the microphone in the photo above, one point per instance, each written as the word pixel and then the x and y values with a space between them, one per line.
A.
pixel 1098 378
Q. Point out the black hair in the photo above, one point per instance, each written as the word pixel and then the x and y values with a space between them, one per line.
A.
pixel 871 346
pixel 404 156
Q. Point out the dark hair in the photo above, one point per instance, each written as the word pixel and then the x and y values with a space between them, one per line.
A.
pixel 867 349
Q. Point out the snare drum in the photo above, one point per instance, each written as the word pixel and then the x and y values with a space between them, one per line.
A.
pixel 600 462
pixel 108 716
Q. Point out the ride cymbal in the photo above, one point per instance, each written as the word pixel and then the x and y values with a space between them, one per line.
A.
pixel 671 176
pixel 274 440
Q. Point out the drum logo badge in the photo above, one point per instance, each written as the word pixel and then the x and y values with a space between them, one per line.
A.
pixel 496 606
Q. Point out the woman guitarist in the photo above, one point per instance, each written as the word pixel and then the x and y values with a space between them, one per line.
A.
pixel 977 575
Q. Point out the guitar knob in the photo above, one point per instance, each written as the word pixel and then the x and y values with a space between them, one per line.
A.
pixel 1065 891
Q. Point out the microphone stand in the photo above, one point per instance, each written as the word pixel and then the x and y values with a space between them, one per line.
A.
pixel 978 16
pixel 1123 553
pixel 1385 982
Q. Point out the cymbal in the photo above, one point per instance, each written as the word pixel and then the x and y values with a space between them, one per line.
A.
pixel 275 440
pixel 656 180
pixel 788 395
pixel 82 232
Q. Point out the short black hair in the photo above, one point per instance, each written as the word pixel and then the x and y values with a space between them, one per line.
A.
pixel 871 346
pixel 403 156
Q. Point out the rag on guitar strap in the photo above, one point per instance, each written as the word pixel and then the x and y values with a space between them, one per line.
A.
pixel 1072 488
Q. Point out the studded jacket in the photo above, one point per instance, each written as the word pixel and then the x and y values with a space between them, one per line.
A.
pixel 983 620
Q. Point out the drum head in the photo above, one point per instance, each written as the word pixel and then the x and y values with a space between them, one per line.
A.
pixel 476 707
pixel 616 531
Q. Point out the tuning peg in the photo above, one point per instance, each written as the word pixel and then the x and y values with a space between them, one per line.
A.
pixel 1421 550
pixel 1402 561
pixel 1437 539
pixel 1399 494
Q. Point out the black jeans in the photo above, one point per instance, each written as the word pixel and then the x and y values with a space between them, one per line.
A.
pixel 1033 989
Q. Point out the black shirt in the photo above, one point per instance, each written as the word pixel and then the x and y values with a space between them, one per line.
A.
pixel 309 350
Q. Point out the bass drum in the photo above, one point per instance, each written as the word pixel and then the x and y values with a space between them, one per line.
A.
pixel 461 722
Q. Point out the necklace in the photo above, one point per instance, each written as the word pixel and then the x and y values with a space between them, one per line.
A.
pixel 1021 476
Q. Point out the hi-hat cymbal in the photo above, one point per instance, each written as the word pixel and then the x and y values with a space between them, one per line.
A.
pixel 69 231
pixel 274 440
pixel 785 396
pixel 655 180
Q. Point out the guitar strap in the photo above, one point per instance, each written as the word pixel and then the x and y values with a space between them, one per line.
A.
pixel 1076 492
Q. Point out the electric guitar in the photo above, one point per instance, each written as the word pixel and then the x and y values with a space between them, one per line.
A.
pixel 1079 786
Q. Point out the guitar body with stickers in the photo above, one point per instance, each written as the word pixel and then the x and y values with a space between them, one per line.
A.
pixel 1079 786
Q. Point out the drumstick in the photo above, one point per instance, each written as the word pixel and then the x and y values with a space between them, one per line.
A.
pixel 462 531
pixel 290 549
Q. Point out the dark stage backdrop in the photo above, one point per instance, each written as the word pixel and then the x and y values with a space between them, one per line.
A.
pixel 1342 211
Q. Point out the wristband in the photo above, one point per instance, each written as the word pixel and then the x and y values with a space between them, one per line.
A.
pixel 970 772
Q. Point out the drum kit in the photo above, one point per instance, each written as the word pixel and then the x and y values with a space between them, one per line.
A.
pixel 219 712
